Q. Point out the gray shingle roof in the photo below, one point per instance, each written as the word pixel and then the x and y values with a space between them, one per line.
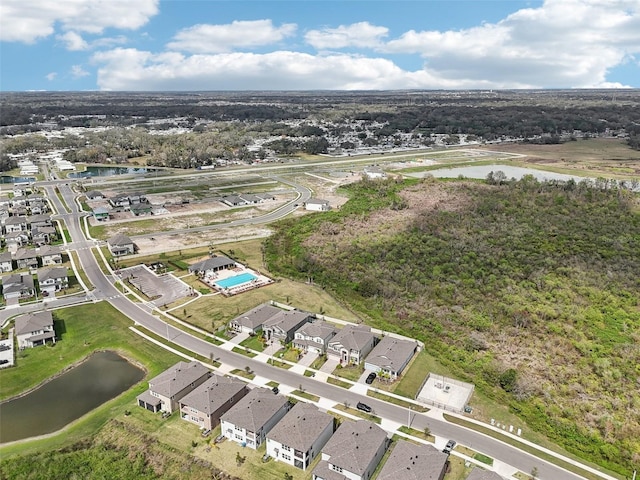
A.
pixel 49 250
pixel 391 353
pixel 212 263
pixel 254 410
pixel 318 328
pixel 353 337
pixel 479 474
pixel 286 320
pixel 213 394
pixel 301 427
pixel 119 240
pixel 33 322
pixel 409 461
pixel 16 282
pixel 176 378
pixel 256 317
pixel 45 274
pixel 354 445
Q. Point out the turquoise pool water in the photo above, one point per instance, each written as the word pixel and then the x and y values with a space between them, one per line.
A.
pixel 236 280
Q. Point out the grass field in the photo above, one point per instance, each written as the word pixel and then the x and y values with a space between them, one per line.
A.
pixel 82 330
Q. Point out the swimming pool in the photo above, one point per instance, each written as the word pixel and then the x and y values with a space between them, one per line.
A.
pixel 236 280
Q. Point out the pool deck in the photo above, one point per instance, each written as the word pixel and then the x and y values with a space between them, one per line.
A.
pixel 258 281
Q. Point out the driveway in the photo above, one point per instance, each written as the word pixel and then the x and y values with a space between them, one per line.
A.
pixel 308 358
pixel 239 338
pixel 330 365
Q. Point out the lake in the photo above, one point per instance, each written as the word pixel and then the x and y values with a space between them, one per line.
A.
pixel 103 376
pixel 481 171
pixel 94 171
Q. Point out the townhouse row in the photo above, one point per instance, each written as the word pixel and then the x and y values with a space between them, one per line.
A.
pixel 294 434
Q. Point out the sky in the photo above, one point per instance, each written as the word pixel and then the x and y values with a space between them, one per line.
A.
pixel 212 45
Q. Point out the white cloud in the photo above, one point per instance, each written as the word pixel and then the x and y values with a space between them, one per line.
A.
pixel 228 37
pixel 73 41
pixel 78 72
pixel 563 43
pixel 28 21
pixel 51 76
pixel 361 35
pixel 131 69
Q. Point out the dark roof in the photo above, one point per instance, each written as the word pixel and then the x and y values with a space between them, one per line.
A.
pixel 287 320
pixel 256 317
pixel 354 445
pixel 176 378
pixel 392 353
pixel 119 240
pixel 212 263
pixel 409 461
pixel 301 427
pixel 32 322
pixel 480 474
pixel 255 409
pixel 353 337
pixel 209 397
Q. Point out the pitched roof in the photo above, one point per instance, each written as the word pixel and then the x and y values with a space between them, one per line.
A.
pixel 119 239
pixel 286 319
pixel 319 328
pixel 25 253
pixel 49 250
pixel 176 378
pixel 16 282
pixel 32 322
pixel 254 410
pixel 317 201
pixel 353 337
pixel 45 274
pixel 409 461
pixel 5 257
pixel 257 316
pixel 392 353
pixel 212 263
pixel 480 474
pixel 354 445
pixel 15 220
pixel 301 427
pixel 213 394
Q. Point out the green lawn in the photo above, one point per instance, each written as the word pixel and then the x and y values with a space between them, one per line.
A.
pixel 352 372
pixel 339 383
pixel 82 330
pixel 254 343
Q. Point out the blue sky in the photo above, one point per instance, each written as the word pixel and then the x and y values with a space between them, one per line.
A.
pixel 318 44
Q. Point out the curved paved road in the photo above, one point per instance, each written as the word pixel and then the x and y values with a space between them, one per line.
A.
pixel 104 289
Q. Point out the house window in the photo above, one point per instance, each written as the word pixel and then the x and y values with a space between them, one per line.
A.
pixel 238 437
pixel 336 468
pixel 286 448
pixel 286 457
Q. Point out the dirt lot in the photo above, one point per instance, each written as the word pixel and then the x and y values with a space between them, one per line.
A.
pixel 193 214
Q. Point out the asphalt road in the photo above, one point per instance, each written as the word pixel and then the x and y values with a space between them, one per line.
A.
pixel 104 289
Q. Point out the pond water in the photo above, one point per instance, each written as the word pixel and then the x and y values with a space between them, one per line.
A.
pixel 103 376
pixel 481 171
pixel 9 179
pixel 111 171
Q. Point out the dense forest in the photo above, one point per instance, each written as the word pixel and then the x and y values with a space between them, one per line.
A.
pixel 530 290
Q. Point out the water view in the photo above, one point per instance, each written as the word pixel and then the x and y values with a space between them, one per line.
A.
pixel 103 376
pixel 481 171
pixel 111 171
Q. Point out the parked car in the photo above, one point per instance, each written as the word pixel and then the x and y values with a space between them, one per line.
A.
pixel 219 439
pixel 371 378
pixel 364 407
pixel 449 446
pixel 206 433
